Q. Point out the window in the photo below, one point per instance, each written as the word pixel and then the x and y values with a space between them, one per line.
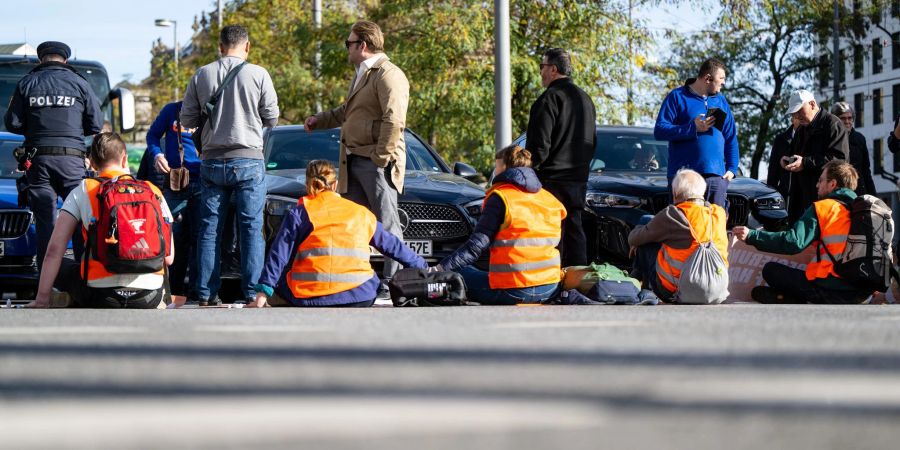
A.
pixel 858 107
pixel 877 157
pixel 895 100
pixel 895 50
pixel 825 70
pixel 858 61
pixel 877 107
pixel 877 51
pixel 842 68
pixel 895 8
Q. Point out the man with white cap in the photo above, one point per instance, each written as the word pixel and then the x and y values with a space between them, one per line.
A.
pixel 821 138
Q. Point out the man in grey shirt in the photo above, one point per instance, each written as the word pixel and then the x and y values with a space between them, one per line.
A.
pixel 232 159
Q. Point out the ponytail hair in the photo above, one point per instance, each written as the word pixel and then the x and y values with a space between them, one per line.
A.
pixel 514 156
pixel 320 174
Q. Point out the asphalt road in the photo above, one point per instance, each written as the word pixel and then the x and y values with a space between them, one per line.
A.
pixel 732 377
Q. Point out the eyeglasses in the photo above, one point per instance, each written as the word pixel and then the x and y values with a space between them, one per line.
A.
pixel 349 43
pixel 542 65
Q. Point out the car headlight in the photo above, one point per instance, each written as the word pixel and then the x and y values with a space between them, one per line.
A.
pixel 771 201
pixel 610 200
pixel 473 208
pixel 278 206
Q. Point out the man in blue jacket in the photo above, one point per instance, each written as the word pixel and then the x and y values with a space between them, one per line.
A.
pixel 184 202
pixel 696 140
pixel 54 107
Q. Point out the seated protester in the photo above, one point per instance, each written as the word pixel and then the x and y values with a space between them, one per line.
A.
pixel 664 242
pixel 826 224
pixel 324 244
pixel 521 223
pixel 102 289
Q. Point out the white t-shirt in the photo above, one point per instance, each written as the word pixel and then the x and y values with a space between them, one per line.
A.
pixel 78 205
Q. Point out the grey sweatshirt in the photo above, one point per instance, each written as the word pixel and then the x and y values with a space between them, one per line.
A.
pixel 235 130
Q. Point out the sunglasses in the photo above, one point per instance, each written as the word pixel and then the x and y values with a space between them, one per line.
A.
pixel 542 65
pixel 349 43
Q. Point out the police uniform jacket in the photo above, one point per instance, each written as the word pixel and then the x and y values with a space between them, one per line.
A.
pixel 54 106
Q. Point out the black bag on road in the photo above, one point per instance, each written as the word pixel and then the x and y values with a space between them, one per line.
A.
pixel 418 287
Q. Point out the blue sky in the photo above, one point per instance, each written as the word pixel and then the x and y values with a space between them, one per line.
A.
pixel 121 38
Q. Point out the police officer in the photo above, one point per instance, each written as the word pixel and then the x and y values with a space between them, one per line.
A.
pixel 54 107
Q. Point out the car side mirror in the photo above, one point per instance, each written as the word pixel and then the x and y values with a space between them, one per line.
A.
pixel 123 109
pixel 464 170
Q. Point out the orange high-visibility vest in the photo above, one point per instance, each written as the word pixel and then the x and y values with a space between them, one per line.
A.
pixel 670 261
pixel 335 256
pixel 523 253
pixel 96 271
pixel 834 226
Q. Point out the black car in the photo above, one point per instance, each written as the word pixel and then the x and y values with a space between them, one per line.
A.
pixel 438 207
pixel 628 180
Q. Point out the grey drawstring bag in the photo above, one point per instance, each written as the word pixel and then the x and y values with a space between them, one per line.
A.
pixel 704 277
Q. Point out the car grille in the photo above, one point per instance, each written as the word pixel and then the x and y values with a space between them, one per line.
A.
pixel 14 223
pixel 426 221
pixel 738 208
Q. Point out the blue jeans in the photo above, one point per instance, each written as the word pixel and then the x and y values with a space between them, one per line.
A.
pixel 478 289
pixel 186 235
pixel 220 179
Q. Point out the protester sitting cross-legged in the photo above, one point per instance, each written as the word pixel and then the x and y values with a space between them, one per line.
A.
pixel 124 266
pixel 663 243
pixel 826 224
pixel 324 244
pixel 521 223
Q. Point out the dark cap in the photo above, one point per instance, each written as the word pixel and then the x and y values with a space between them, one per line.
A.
pixel 53 48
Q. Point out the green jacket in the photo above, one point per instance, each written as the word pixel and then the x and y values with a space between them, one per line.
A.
pixel 801 235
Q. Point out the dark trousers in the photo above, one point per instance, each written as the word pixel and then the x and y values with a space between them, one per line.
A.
pixel 792 283
pixel 371 186
pixel 69 280
pixel 51 177
pixel 573 245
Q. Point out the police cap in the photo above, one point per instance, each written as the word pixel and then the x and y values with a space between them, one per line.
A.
pixel 53 48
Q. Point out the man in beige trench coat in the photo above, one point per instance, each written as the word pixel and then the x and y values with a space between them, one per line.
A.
pixel 372 120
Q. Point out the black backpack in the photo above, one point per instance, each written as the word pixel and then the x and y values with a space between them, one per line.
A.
pixel 867 261
pixel 418 287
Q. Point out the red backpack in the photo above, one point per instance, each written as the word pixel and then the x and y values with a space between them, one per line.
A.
pixel 130 234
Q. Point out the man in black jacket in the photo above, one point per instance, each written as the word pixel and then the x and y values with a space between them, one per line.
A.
pixel 859 151
pixel 777 177
pixel 821 138
pixel 561 138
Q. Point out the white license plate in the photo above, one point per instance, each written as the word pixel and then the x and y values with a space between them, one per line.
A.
pixel 2 248
pixel 422 248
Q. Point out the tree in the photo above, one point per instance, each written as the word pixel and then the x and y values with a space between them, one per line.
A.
pixel 446 49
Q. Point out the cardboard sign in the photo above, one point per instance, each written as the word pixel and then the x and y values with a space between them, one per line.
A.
pixel 745 264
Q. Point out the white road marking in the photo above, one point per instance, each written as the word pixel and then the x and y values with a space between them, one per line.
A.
pixel 573 324
pixel 70 330
pixel 260 329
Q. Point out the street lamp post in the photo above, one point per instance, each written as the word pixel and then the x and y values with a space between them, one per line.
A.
pixel 174 25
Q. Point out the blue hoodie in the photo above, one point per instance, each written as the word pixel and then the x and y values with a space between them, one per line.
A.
pixel 713 152
pixel 492 216
pixel 166 123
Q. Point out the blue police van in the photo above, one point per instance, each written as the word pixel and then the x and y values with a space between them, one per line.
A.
pixel 18 266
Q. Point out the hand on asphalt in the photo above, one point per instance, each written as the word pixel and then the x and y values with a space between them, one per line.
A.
pixel 310 123
pixel 703 125
pixel 162 166
pixel 259 302
pixel 740 232
pixel 39 303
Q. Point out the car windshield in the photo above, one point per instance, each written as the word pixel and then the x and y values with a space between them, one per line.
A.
pixel 629 150
pixel 295 149
pixel 7 161
pixel 12 72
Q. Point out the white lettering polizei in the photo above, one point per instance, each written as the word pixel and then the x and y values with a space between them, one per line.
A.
pixel 51 100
